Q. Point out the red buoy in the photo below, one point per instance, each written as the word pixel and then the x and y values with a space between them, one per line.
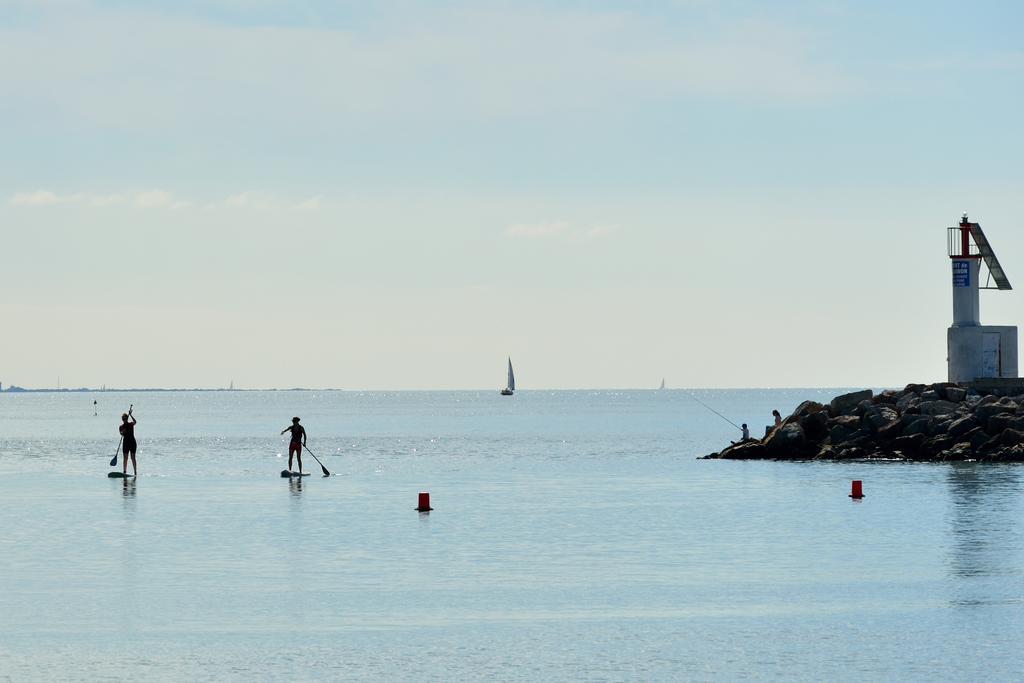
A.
pixel 424 504
pixel 857 490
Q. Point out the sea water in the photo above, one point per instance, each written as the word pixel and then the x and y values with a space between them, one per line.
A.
pixel 575 536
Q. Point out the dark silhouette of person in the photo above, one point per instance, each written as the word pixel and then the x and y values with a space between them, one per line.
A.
pixel 297 442
pixel 778 417
pixel 746 435
pixel 129 446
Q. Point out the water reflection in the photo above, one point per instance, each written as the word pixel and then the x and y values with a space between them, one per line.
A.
pixel 128 487
pixel 295 486
pixel 986 537
pixel 983 523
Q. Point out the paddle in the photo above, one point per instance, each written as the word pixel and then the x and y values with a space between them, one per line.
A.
pixel 326 473
pixel 113 461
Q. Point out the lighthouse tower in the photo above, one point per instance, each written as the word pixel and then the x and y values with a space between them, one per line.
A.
pixel 976 351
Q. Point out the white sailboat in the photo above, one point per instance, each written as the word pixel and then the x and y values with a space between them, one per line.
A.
pixel 511 387
pixel 662 383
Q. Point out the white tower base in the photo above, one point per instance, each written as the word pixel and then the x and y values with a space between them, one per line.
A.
pixel 981 352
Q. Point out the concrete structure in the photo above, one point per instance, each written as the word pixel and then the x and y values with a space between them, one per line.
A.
pixel 976 351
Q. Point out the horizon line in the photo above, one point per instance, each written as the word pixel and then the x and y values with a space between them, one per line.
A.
pixel 14 389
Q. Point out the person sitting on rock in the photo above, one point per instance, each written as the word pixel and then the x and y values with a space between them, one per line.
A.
pixel 746 434
pixel 778 417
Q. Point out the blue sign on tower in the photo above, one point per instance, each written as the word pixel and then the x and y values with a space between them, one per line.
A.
pixel 961 274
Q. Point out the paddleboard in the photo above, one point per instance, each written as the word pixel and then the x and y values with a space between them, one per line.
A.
pixel 119 475
pixel 286 473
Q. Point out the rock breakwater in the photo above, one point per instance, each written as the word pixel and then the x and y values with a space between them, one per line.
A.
pixel 926 422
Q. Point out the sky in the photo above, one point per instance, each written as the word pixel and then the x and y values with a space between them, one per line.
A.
pixel 400 195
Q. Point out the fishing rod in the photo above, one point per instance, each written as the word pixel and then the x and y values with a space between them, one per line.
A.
pixel 694 397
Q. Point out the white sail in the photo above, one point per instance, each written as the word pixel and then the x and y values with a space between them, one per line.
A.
pixel 511 377
pixel 662 383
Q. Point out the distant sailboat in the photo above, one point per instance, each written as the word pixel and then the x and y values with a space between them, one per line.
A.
pixel 507 391
pixel 662 383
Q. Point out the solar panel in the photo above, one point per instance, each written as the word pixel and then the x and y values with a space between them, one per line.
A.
pixel 991 262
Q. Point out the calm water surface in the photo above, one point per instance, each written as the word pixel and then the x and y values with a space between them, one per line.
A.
pixel 575 536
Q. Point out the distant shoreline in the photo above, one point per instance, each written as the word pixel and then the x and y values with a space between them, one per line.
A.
pixel 86 390
pixel 14 389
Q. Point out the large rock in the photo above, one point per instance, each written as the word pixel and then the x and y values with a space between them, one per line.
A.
pixel 814 426
pixel 1000 421
pixel 745 450
pixel 907 400
pixel 842 433
pixel 959 451
pixel 934 445
pixel 852 453
pixel 826 453
pixel 888 397
pixel 941 424
pixel 893 429
pixel 1007 437
pixel 808 408
pixel 956 394
pixel 877 417
pixel 921 425
pixel 963 425
pixel 972 399
pixel 844 405
pixel 788 441
pixel 938 407
pixel 908 445
pixel 986 410
pixel 1011 454
pixel 976 437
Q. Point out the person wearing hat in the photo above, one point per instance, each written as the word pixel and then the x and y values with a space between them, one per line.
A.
pixel 297 442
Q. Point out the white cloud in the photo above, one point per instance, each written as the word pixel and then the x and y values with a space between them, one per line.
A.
pixel 153 199
pixel 147 199
pixel 237 200
pixel 37 198
pixel 159 199
pixel 108 200
pixel 311 204
pixel 250 200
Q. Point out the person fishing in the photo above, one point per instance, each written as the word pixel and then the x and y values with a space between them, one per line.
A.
pixel 297 443
pixel 129 446
pixel 744 430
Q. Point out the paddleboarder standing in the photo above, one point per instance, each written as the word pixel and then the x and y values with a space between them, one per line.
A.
pixel 127 430
pixel 297 443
